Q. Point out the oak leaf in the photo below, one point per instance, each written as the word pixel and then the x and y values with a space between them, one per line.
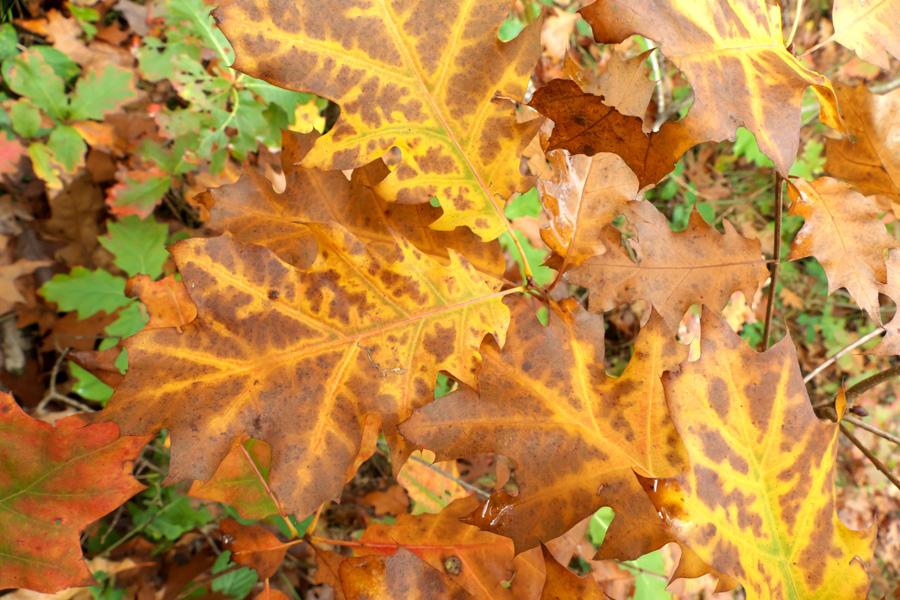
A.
pixel 561 583
pixel 401 576
pixel 55 482
pixel 167 301
pixel 672 270
pixel 254 212
pixel 583 197
pixel 9 293
pixel 584 124
pixel 242 481
pixel 733 55
pixel 871 164
pixel 253 546
pixel 422 80
pixel 349 345
pixel 625 84
pixel 758 503
pixel 577 435
pixel 870 28
pixel 843 232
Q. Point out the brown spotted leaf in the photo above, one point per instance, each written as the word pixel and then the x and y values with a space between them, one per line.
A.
pixel 402 576
pixel 577 435
pixel 843 232
pixel 311 362
pixel 869 27
pixel 871 163
pixel 759 501
pixel 254 212
pixel 732 53
pixel 671 270
pixel 583 197
pixel 420 77
pixel 583 124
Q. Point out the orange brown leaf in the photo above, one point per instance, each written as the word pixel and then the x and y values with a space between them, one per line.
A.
pixel 253 546
pixel 401 576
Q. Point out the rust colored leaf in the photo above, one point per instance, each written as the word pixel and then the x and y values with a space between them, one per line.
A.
pixel 758 503
pixel 310 362
pixel 242 481
pixel 9 293
pixel 327 570
pixel 562 584
pixel 869 27
pixel 55 481
pixel 843 232
pixel 254 212
pixel 672 270
pixel 253 546
pixel 168 302
pixel 585 125
pixel 871 164
pixel 424 80
pixel 584 196
pixel 393 501
pixel 577 435
pixel 402 576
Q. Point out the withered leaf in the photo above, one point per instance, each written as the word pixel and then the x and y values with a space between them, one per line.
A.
pixel 869 27
pixel 401 576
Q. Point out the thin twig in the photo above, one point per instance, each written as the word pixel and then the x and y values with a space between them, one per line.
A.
pixel 842 352
pixel 870 382
pixel 872 458
pixel 887 86
pixel 776 260
pixel 872 429
pixel 797 18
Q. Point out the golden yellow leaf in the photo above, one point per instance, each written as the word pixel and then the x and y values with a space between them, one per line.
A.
pixel 423 78
pixel 577 435
pixel 869 27
pixel 306 361
pixel 671 270
pixel 758 503
pixel 732 53
pixel 843 232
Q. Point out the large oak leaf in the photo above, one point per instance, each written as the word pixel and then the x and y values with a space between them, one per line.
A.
pixel 671 270
pixel 577 435
pixel 871 164
pixel 843 232
pixel 54 482
pixel 759 501
pixel 422 76
pixel 733 55
pixel 309 361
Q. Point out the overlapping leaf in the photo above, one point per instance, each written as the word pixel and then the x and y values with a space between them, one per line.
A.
pixel 401 576
pixel 871 164
pixel 253 546
pixel 311 362
pixel 671 270
pixel 869 27
pixel 241 481
pixel 758 503
pixel 54 482
pixel 422 78
pixel 732 53
pixel 577 435
pixel 625 85
pixel 254 212
pixel 843 232
pixel 561 583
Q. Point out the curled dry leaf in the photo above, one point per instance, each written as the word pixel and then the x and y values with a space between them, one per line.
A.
pixel 9 293
pixel 672 270
pixel 401 576
pixel 55 482
pixel 758 503
pixel 843 232
pixel 253 546
pixel 871 163
pixel 585 125
pixel 869 27
pixel 254 212
pixel 732 53
pixel 584 196
pixel 577 435
pixel 422 80
pixel 352 344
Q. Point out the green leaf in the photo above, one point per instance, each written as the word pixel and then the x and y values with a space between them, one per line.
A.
pixel 87 292
pixel 236 583
pixel 41 162
pixel 101 91
pixel 542 275
pixel 25 117
pixel 525 205
pixel 61 64
pixel 138 245
pixel 195 13
pixel 29 75
pixel 138 192
pixel 131 320
pixel 68 148
pixel 8 40
pixel 84 13
pixel 88 386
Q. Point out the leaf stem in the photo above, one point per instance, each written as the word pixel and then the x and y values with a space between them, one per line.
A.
pixel 869 382
pixel 872 458
pixel 797 16
pixel 776 260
